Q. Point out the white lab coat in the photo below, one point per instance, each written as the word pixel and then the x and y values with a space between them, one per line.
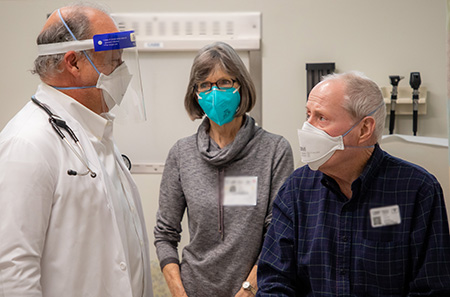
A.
pixel 58 233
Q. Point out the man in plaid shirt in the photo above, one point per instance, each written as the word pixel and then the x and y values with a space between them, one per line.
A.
pixel 355 221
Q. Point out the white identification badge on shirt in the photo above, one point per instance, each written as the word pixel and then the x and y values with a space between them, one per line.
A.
pixel 240 190
pixel 385 216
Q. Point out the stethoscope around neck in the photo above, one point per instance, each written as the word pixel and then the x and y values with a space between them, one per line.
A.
pixel 58 123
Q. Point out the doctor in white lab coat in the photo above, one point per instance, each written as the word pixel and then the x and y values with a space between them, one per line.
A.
pixel 60 234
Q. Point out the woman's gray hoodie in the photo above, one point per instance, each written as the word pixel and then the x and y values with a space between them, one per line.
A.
pixel 215 263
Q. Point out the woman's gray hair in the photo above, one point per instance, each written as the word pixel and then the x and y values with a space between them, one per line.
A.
pixel 77 20
pixel 363 98
pixel 222 55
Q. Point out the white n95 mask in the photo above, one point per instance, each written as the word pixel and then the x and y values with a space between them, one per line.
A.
pixel 316 146
pixel 115 85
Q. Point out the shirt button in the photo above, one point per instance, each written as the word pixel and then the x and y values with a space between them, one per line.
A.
pixel 344 238
pixel 123 266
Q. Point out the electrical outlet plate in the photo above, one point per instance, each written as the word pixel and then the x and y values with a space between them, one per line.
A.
pixel 192 31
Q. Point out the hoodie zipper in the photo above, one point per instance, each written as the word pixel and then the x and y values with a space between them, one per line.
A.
pixel 221 177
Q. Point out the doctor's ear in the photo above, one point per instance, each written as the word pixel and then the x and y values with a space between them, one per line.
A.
pixel 70 62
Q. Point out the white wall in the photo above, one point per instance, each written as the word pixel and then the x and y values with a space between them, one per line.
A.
pixel 380 38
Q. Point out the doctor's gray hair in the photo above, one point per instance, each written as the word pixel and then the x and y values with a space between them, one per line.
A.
pixel 363 98
pixel 222 55
pixel 77 20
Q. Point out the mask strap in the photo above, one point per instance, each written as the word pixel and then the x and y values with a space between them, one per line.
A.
pixel 369 114
pixel 84 52
pixel 372 112
pixel 67 27
pixel 73 88
pixel 354 146
pixel 348 131
pixel 73 36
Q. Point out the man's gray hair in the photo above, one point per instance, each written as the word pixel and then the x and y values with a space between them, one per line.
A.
pixel 77 20
pixel 363 97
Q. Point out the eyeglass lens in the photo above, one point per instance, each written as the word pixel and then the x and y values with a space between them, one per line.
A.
pixel 221 84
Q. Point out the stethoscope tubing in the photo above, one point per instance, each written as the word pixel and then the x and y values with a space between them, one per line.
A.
pixel 57 123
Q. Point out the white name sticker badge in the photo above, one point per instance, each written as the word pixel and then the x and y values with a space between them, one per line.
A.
pixel 240 190
pixel 385 216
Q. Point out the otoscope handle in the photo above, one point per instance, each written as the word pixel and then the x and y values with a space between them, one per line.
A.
pixel 392 122
pixel 395 79
pixel 415 98
pixel 415 122
pixel 414 82
pixel 392 115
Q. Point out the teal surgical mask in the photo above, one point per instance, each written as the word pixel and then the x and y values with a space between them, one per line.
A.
pixel 220 105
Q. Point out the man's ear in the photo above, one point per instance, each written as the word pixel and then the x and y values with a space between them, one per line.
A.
pixel 367 129
pixel 70 63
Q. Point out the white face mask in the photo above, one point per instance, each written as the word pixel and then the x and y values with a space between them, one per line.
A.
pixel 316 146
pixel 115 85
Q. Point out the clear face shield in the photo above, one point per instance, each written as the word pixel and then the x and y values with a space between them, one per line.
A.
pixel 115 58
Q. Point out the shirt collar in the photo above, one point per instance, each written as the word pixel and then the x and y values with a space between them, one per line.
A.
pixel 362 182
pixel 372 166
pixel 90 121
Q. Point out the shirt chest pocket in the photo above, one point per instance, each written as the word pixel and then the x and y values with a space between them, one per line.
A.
pixel 380 268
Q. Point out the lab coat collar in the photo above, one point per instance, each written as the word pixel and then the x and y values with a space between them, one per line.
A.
pixel 89 120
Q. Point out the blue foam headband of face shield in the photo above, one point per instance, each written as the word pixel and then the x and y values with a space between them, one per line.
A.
pixel 100 42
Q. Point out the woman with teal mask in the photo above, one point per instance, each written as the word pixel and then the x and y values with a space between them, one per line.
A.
pixel 225 176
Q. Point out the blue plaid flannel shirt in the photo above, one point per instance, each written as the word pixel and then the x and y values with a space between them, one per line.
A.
pixel 322 244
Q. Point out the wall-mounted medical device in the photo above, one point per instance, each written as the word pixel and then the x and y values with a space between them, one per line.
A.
pixel 395 79
pixel 415 82
pixel 400 102
pixel 404 104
